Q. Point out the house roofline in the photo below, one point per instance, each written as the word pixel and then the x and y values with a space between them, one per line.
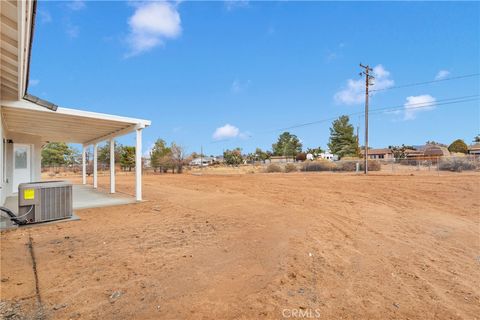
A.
pixel 32 32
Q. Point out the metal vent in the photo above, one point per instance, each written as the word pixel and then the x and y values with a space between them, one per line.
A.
pixel 45 201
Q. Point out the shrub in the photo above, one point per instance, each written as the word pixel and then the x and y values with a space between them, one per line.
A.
pixel 456 164
pixel 323 165
pixel 273 168
pixel 302 156
pixel 290 167
pixel 347 166
pixel 458 146
pixel 373 165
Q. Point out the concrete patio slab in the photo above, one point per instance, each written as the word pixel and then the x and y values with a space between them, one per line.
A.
pixel 84 197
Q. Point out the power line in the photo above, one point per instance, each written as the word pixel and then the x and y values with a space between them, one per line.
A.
pixel 427 82
pixel 362 112
pixel 429 104
pixel 418 105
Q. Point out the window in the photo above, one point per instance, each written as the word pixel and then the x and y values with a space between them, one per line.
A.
pixel 21 158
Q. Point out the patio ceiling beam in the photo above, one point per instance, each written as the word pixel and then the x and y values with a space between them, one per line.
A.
pixel 18 120
pixel 115 134
pixel 86 115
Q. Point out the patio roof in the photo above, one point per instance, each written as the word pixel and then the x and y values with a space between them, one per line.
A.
pixel 65 125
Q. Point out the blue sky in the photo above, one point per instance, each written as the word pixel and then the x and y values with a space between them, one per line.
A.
pixel 227 74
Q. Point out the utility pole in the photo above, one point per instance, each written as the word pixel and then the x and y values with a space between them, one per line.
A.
pixel 368 77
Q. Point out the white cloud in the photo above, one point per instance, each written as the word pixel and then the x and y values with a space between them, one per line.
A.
pixel 226 132
pixel 72 30
pixel 76 5
pixel 354 93
pixel 416 104
pixel 45 16
pixel 331 56
pixel 239 86
pixel 33 82
pixel 233 4
pixel 151 24
pixel 442 74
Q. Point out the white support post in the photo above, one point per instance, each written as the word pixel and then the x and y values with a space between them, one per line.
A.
pixel 95 156
pixel 138 166
pixel 112 166
pixel 84 165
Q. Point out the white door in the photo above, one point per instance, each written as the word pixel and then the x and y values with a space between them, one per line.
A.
pixel 21 164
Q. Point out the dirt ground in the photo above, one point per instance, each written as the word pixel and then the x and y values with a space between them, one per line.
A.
pixel 257 246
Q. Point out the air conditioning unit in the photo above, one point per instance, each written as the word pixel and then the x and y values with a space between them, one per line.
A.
pixel 45 201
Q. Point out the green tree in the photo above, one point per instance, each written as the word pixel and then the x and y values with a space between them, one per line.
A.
pixel 261 155
pixel 477 138
pixel 458 146
pixel 233 157
pixel 58 154
pixel 343 141
pixel 127 158
pixel 160 156
pixel 314 151
pixel 287 145
pixel 104 153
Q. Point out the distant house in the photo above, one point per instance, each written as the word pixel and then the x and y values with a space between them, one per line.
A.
pixel 427 152
pixel 435 151
pixel 328 156
pixel 414 153
pixel 384 153
pixel 474 149
pixel 202 161
pixel 147 162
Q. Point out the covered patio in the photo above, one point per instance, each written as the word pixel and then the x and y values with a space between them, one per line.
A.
pixel 27 122
pixel 31 124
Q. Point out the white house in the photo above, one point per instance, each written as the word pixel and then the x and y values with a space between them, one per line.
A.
pixel 27 122
pixel 202 161
pixel 328 156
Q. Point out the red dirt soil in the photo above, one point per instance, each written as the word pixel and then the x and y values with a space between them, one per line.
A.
pixel 257 246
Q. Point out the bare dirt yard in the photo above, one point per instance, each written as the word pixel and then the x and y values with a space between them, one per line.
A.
pixel 257 246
